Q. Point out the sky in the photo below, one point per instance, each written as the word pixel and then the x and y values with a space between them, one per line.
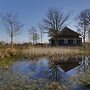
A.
pixel 31 13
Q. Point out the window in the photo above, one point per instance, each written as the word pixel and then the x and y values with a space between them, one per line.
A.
pixel 65 41
pixel 74 41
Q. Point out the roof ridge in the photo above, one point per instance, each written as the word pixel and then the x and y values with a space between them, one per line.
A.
pixel 67 31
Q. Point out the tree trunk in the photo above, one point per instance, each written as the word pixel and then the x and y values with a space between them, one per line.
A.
pixel 41 38
pixel 11 41
pixel 56 42
pixel 33 38
pixel 84 36
pixel 36 42
pixel 84 41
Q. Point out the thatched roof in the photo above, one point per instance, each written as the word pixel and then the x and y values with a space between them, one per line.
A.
pixel 68 32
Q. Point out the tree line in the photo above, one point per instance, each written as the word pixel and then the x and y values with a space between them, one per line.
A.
pixel 52 24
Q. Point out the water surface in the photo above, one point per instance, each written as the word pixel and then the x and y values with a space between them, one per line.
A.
pixel 47 69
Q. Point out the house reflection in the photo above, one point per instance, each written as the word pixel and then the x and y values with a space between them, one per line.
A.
pixel 66 63
pixel 60 69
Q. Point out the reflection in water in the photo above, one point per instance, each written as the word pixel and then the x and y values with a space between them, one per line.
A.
pixel 60 68
pixel 55 70
pixel 81 68
pixel 52 70
pixel 84 63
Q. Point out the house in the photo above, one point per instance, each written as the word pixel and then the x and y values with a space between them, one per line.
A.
pixel 67 37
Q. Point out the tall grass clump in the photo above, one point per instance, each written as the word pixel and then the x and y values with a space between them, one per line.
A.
pixel 8 52
pixel 53 51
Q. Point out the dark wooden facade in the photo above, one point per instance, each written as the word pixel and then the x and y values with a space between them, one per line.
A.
pixel 67 37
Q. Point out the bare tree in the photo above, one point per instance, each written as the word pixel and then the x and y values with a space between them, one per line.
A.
pixel 34 35
pixel 54 22
pixel 12 25
pixel 83 23
pixel 41 32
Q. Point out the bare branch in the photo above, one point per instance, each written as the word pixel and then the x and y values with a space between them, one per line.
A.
pixel 84 23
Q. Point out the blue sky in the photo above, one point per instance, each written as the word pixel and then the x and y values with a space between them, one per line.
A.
pixel 32 12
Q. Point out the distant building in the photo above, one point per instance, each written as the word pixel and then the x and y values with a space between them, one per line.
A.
pixel 67 37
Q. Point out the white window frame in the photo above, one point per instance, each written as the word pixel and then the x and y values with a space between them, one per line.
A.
pixel 74 41
pixel 65 41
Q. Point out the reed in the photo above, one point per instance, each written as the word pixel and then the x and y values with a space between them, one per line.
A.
pixel 36 52
pixel 54 51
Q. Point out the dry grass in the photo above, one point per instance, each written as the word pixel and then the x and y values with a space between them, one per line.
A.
pixel 7 52
pixel 54 51
pixel 32 52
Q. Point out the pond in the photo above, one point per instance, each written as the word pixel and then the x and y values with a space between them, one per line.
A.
pixel 22 72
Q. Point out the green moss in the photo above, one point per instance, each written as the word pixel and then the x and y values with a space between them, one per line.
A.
pixel 6 62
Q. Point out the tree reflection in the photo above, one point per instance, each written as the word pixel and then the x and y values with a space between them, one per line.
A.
pixel 57 73
pixel 54 70
pixel 84 64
